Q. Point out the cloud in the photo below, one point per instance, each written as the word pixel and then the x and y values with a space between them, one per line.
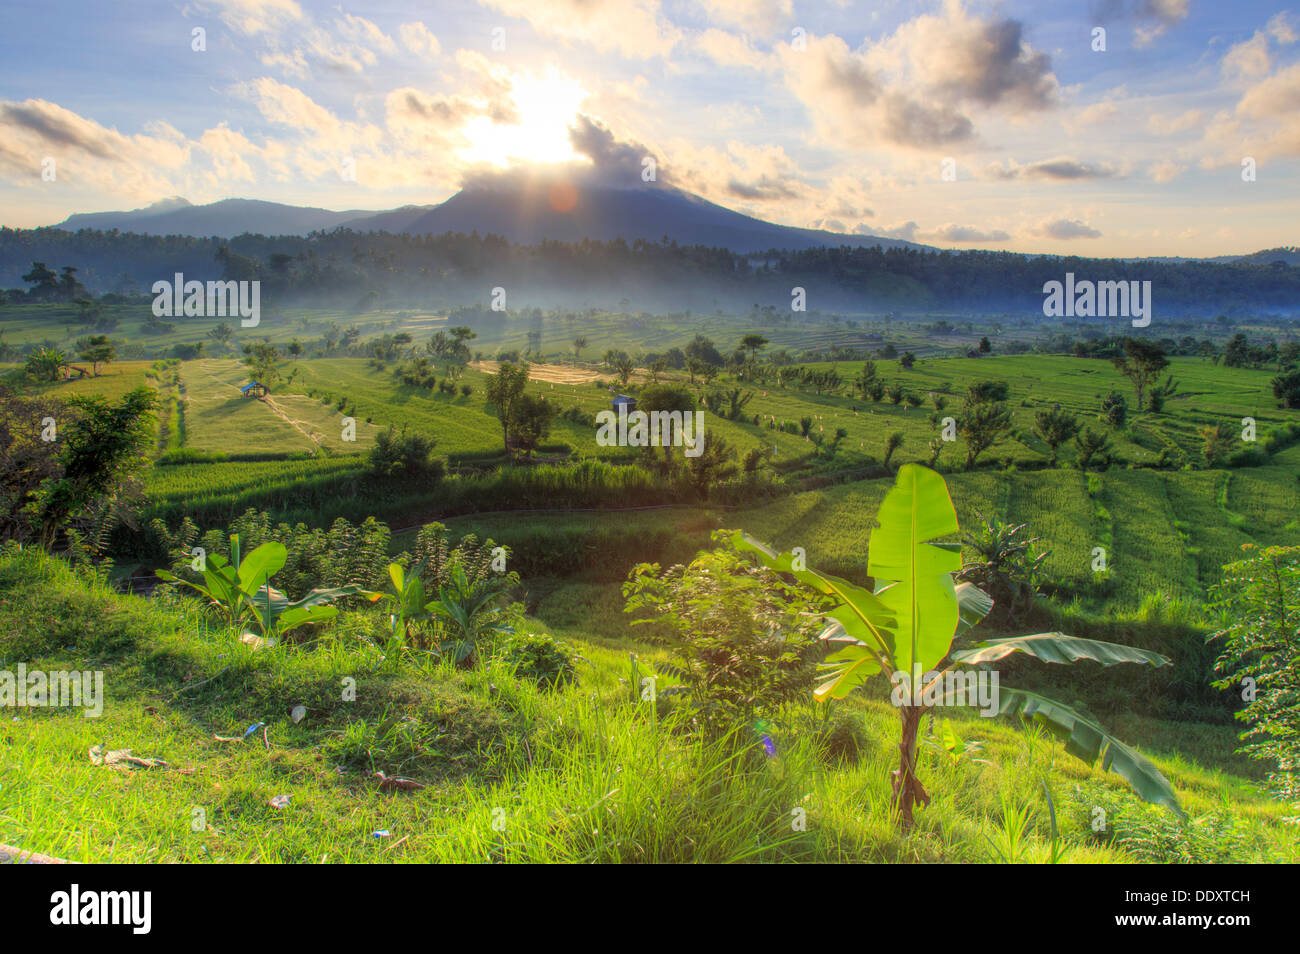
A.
pixel 1163 125
pixel 289 106
pixel 62 129
pixel 965 233
pixel 419 39
pixel 1095 114
pixel 1166 170
pixel 906 231
pixel 1153 17
pixel 1062 168
pixel 850 105
pixel 1251 58
pixel 910 89
pixel 95 161
pixel 635 28
pixel 1065 229
pixel 966 58
pixel 728 49
pixel 1264 125
pixel 758 16
pixel 252 17
pixel 363 32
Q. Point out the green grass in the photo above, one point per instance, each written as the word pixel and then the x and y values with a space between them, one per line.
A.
pixel 513 774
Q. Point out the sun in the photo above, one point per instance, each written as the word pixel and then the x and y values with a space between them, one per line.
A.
pixel 547 105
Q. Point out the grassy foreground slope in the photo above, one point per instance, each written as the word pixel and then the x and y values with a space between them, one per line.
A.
pixel 585 773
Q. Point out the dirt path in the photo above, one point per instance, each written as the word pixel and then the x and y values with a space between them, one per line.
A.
pixel 555 373
pixel 295 424
pixel 271 406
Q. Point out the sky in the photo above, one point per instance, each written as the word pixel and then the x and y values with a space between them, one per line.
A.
pixel 1098 127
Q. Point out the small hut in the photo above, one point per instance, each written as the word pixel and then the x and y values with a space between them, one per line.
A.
pixel 623 401
pixel 255 389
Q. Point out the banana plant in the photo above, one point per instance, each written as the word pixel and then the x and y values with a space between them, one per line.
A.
pixel 406 597
pixel 467 607
pixel 241 590
pixel 904 628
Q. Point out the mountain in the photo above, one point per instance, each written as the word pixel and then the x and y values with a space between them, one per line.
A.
pixel 524 213
pixel 527 214
pixel 224 219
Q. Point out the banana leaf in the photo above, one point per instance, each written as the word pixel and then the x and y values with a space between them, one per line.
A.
pixel 923 598
pixel 1087 740
pixel 1058 648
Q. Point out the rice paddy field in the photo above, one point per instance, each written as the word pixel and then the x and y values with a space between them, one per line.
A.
pixel 585 773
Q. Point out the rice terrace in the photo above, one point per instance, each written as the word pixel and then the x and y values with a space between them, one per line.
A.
pixel 589 515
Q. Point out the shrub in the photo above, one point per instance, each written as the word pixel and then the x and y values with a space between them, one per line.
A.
pixel 406 457
pixel 538 657
pixel 1259 598
pixel 1114 409
pixel 742 640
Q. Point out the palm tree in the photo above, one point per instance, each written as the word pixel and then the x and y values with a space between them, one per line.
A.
pixel 471 609
pixel 894 443
pixel 578 344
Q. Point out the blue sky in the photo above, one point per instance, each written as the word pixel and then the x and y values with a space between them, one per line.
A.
pixel 958 124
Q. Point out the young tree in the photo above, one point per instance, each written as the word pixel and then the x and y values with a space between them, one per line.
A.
pixel 695 366
pixel 1141 362
pixel 1056 427
pixel 894 442
pixel 662 397
pixel 753 343
pixel 866 377
pixel 578 344
pixel 405 457
pixel 1114 409
pixel 985 347
pixel 102 443
pixel 742 639
pixel 45 282
pixel 1093 447
pixel 1217 444
pixel 1286 388
pixel 623 367
pixel 1259 600
pixel 715 462
pixel 703 350
pixel 531 421
pixel 223 333
pixel 1159 393
pixel 262 359
pixel 98 350
pixel 504 390
pixel 982 425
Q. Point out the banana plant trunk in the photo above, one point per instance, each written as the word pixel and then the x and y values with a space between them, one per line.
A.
pixel 908 790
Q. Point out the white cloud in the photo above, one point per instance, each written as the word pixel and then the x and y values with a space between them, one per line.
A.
pixel 754 16
pixel 419 39
pixel 252 17
pixel 728 49
pixel 1065 229
pixel 635 28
